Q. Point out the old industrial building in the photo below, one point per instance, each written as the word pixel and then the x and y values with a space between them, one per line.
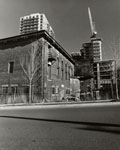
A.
pixel 34 63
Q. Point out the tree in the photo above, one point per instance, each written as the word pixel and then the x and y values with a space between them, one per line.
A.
pixel 114 45
pixel 31 63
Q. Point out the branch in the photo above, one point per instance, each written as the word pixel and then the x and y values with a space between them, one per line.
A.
pixel 30 62
pixel 22 59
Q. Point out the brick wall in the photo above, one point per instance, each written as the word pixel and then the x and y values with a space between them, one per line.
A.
pixel 47 84
pixel 13 52
pixel 58 76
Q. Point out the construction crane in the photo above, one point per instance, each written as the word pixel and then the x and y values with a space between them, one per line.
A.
pixel 92 24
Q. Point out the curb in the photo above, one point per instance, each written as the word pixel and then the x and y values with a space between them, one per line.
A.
pixel 58 103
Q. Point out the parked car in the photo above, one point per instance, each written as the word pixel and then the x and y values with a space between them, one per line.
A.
pixel 71 98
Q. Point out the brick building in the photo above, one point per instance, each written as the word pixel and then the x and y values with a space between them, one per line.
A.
pixel 51 77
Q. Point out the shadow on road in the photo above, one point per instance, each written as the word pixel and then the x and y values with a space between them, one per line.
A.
pixel 91 126
pixel 105 129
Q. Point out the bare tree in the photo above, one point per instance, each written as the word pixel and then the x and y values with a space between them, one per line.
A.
pixel 114 45
pixel 31 63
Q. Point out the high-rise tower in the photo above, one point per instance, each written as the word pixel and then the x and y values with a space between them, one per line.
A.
pixel 35 22
pixel 97 49
pixel 95 42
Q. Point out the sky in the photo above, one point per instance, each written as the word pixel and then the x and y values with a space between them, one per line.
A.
pixel 69 20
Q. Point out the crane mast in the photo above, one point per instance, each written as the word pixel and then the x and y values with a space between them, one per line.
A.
pixel 92 24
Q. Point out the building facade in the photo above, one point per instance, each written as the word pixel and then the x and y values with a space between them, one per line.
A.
pixel 105 79
pixel 35 22
pixel 97 49
pixel 87 51
pixel 92 51
pixel 84 72
pixel 97 77
pixel 38 60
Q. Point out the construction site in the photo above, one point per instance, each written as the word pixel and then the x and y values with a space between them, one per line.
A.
pixel 98 77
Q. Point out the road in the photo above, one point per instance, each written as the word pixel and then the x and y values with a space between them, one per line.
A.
pixel 65 127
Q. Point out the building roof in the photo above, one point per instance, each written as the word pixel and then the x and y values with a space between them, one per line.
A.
pixel 38 34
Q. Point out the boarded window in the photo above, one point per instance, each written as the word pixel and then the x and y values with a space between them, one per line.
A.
pixel 14 89
pixel 5 90
pixel 25 89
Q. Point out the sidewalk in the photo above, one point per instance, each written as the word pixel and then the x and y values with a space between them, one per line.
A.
pixel 58 103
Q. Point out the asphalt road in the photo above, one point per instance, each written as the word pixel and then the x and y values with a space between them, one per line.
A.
pixel 69 127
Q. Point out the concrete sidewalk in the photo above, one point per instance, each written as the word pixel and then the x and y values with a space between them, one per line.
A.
pixel 60 103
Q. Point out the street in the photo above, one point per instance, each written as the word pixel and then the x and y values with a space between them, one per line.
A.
pixel 65 127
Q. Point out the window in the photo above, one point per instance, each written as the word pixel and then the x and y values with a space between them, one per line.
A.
pixel 25 89
pixel 5 90
pixel 66 71
pixel 14 90
pixel 49 70
pixel 58 72
pixel 10 67
pixel 48 27
pixel 57 90
pixel 69 73
pixel 53 90
pixel 41 27
pixel 67 91
pixel 62 69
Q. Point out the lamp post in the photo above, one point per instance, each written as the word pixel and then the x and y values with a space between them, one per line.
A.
pixel 116 83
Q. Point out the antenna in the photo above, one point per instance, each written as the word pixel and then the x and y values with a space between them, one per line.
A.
pixel 92 24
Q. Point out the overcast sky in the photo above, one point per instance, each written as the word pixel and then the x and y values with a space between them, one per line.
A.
pixel 69 20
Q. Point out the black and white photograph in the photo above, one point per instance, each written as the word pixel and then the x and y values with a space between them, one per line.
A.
pixel 59 74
